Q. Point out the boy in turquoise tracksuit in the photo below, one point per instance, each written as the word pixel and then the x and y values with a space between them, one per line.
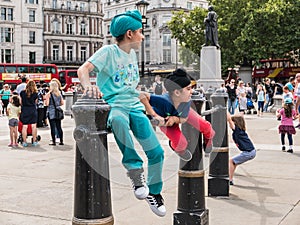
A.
pixel 117 78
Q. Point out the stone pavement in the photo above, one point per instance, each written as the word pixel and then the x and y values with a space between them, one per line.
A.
pixel 37 183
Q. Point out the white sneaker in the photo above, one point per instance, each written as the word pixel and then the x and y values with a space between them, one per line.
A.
pixel 156 203
pixel 141 190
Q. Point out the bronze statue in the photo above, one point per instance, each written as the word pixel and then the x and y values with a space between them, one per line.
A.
pixel 211 28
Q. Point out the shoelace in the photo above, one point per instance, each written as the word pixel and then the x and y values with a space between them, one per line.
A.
pixel 137 180
pixel 156 200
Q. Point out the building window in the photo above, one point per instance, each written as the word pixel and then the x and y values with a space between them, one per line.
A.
pixel 32 57
pixel 166 39
pixel 7 55
pixel 55 26
pixel 7 34
pixel 7 14
pixel 32 1
pixel 54 4
pixel 83 28
pixel 31 37
pixel 166 19
pixel 82 6
pixel 108 29
pixel 69 5
pixel 167 55
pixel 55 52
pixel 83 53
pixel 69 27
pixel 10 14
pixel 31 15
pixel 189 5
pixel 147 41
pixel 69 53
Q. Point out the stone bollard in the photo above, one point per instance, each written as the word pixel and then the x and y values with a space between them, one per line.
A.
pixel 68 103
pixel 92 194
pixel 277 103
pixel 218 180
pixel 191 199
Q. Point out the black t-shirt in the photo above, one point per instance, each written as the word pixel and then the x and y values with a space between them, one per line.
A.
pixel 231 92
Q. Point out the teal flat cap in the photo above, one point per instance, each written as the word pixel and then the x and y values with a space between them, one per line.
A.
pixel 130 20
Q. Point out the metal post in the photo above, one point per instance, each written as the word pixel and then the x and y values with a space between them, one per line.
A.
pixel 68 102
pixel 143 55
pixel 218 180
pixel 208 104
pixel 92 195
pixel 191 200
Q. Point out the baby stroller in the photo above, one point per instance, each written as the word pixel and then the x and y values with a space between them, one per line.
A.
pixel 250 106
pixel 29 133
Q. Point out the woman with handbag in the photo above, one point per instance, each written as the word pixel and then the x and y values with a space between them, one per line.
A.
pixel 54 100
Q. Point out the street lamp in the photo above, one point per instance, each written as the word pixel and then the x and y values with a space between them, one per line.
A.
pixel 142 7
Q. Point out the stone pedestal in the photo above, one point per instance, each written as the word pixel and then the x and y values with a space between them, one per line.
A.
pixel 210 68
pixel 245 73
pixel 277 103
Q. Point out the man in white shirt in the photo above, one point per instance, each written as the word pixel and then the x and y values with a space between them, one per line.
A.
pixel 21 86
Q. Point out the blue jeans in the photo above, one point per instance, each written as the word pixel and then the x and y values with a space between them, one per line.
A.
pixel 121 123
pixel 267 103
pixel 231 106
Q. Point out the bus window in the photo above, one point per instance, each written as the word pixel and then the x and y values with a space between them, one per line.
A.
pixel 1 69
pixel 10 69
pixel 39 69
pixel 22 69
pixel 62 78
pixel 31 69
pixel 72 74
pixel 50 69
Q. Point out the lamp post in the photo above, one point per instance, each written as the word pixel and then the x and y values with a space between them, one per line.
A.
pixel 142 7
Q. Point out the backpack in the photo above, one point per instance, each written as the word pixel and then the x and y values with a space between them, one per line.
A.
pixel 158 89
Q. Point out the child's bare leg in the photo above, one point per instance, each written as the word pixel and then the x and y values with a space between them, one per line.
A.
pixel 11 134
pixel 232 168
pixel 15 138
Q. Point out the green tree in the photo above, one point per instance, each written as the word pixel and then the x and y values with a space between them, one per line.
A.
pixel 248 30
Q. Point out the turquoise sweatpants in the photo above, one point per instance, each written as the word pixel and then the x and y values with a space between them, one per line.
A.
pixel 121 122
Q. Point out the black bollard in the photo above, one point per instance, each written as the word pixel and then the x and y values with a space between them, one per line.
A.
pixel 92 195
pixel 218 180
pixel 191 200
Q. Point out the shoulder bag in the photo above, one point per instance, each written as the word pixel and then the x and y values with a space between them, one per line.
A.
pixel 59 113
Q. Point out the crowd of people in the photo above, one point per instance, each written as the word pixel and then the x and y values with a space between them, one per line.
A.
pixel 29 107
pixel 263 93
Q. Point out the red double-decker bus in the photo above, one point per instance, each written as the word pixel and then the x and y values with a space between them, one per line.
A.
pixel 10 73
pixel 278 69
pixel 68 77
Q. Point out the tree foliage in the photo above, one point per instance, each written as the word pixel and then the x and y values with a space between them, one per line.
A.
pixel 249 30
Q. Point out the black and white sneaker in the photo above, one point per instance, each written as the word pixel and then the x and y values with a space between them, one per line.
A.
pixel 185 155
pixel 141 190
pixel 156 203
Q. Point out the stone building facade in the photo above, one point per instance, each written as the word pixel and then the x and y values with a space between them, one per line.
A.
pixel 21 31
pixel 161 51
pixel 72 31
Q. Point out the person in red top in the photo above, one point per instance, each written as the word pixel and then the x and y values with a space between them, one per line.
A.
pixel 174 108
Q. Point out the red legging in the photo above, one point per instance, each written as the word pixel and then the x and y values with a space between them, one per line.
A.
pixel 178 140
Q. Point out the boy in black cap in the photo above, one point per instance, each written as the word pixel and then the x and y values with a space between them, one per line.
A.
pixel 173 108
